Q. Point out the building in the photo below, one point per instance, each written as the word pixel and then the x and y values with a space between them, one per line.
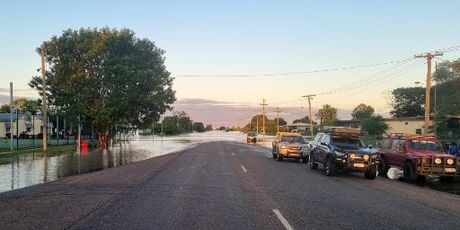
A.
pixel 407 125
pixel 26 124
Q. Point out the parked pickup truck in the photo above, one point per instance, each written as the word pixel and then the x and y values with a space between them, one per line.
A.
pixel 342 148
pixel 289 145
pixel 418 156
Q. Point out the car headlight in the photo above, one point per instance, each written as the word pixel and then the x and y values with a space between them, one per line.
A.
pixel 374 156
pixel 352 156
pixel 438 161
pixel 283 146
pixel 450 161
pixel 339 154
pixel 366 157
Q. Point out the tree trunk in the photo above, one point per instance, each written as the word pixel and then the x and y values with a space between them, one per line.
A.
pixel 103 138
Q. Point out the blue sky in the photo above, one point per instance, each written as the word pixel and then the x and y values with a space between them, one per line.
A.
pixel 235 37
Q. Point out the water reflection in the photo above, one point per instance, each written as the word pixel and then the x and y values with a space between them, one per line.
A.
pixel 28 169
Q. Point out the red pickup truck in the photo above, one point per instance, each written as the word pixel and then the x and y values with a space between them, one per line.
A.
pixel 418 156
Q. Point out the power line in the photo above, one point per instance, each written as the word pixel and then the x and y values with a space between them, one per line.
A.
pixel 380 81
pixel 287 73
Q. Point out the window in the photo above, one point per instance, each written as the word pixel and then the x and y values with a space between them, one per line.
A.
pixel 28 130
pixel 325 139
pixel 418 131
pixel 318 137
pixel 7 130
pixel 394 144
pixel 386 143
pixel 406 123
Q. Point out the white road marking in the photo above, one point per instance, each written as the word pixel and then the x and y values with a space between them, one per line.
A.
pixel 244 169
pixel 233 154
pixel 282 219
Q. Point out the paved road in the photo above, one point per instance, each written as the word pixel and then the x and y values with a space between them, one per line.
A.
pixel 226 185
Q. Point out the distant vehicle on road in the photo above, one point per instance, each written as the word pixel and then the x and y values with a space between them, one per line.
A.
pixel 342 148
pixel 289 145
pixel 418 156
pixel 251 137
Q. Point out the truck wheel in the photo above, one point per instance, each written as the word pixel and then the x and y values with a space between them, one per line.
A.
pixel 305 159
pixel 383 168
pixel 446 179
pixel 370 173
pixel 329 167
pixel 278 157
pixel 312 163
pixel 409 173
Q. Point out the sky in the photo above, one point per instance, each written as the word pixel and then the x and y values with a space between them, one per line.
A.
pixel 237 38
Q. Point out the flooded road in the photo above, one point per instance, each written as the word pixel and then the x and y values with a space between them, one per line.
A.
pixel 35 168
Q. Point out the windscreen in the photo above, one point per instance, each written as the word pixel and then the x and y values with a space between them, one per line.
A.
pixel 297 139
pixel 425 145
pixel 347 142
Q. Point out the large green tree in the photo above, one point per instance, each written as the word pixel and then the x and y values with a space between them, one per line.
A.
pixel 362 112
pixel 375 125
pixel 107 76
pixel 408 102
pixel 327 115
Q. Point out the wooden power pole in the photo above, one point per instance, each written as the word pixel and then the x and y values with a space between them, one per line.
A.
pixel 277 119
pixel 45 115
pixel 309 98
pixel 429 57
pixel 263 118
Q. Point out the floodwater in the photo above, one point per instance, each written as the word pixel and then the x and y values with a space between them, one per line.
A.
pixel 29 169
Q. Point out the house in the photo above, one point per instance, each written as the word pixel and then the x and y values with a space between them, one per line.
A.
pixel 407 125
pixel 26 123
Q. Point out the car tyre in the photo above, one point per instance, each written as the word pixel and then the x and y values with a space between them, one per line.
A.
pixel 312 163
pixel 371 173
pixel 329 167
pixel 305 159
pixel 409 173
pixel 446 179
pixel 278 157
pixel 383 168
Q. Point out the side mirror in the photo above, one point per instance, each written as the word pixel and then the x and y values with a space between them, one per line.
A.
pixel 322 143
pixel 370 146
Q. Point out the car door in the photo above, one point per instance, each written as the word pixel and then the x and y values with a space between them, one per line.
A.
pixel 324 147
pixel 391 154
pixel 315 145
pixel 400 153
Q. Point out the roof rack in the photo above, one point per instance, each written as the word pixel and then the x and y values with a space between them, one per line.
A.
pixel 341 130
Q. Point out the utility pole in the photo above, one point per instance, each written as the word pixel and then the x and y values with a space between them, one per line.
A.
pixel 309 98
pixel 277 119
pixel 11 116
pixel 429 56
pixel 257 123
pixel 45 116
pixel 263 119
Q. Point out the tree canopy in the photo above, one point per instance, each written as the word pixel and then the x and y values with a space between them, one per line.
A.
pixel 327 115
pixel 23 105
pixel 107 76
pixel 408 102
pixel 362 112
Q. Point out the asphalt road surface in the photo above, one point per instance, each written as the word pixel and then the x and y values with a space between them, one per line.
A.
pixel 226 185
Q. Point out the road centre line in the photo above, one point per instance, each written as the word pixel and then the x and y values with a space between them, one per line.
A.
pixel 233 154
pixel 282 219
pixel 244 169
